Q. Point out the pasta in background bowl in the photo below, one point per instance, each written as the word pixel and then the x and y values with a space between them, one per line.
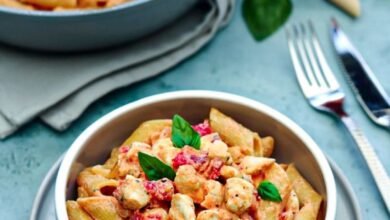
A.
pixel 59 5
pixel 292 145
pixel 84 25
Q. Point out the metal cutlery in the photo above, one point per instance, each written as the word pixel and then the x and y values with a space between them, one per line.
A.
pixel 323 92
pixel 370 94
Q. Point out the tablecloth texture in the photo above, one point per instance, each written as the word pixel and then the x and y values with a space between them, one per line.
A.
pixel 59 87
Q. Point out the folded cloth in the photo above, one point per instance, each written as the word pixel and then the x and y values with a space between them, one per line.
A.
pixel 58 88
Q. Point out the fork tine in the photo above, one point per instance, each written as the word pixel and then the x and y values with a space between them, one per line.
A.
pixel 330 78
pixel 299 42
pixel 312 58
pixel 305 86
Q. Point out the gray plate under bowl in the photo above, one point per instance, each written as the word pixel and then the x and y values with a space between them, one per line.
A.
pixel 70 31
pixel 44 208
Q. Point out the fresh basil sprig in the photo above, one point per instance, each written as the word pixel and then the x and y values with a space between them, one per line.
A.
pixel 154 168
pixel 268 191
pixel 183 134
pixel 264 17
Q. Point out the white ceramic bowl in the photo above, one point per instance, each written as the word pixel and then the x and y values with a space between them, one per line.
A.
pixel 293 145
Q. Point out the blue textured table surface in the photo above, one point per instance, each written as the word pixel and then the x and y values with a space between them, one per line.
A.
pixel 235 63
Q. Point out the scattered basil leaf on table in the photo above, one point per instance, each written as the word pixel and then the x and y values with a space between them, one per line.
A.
pixel 154 168
pixel 183 134
pixel 264 17
pixel 268 191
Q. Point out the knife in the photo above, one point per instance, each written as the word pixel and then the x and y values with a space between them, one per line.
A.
pixel 370 94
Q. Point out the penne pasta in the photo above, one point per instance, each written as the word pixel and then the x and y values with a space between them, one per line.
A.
pixel 276 175
pixel 102 207
pixel 144 132
pixel 96 185
pixel 75 212
pixel 15 4
pixel 60 5
pixel 81 192
pixel 111 3
pixel 231 132
pixel 268 146
pixel 222 171
pixel 309 199
pixel 52 3
pixel 110 163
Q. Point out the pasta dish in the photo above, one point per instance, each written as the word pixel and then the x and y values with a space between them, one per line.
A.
pixel 218 169
pixel 60 5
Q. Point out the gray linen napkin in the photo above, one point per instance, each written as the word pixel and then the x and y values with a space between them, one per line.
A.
pixel 60 87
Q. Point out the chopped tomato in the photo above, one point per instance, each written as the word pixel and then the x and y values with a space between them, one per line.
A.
pixel 124 149
pixel 211 170
pixel 203 128
pixel 162 190
pixel 189 157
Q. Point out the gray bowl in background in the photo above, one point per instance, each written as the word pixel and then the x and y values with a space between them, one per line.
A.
pixel 81 30
pixel 293 145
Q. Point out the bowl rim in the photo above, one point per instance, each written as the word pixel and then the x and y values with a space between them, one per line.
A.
pixel 75 149
pixel 72 13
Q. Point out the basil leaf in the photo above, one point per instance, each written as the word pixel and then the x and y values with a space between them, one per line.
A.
pixel 264 17
pixel 154 168
pixel 268 191
pixel 183 134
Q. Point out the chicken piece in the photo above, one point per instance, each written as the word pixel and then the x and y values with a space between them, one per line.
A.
pixel 131 193
pixel 216 148
pixel 238 195
pixel 164 149
pixel 151 214
pixel 182 208
pixel 229 172
pixel 189 182
pixel 128 163
pixel 214 195
pixel 216 214
pixel 209 138
pixel 131 153
pixel 253 165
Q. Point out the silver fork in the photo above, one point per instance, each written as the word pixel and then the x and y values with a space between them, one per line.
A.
pixel 322 90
